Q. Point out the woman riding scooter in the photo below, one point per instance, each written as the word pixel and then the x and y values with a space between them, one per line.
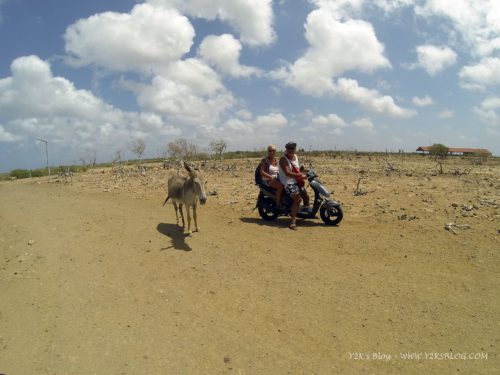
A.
pixel 269 172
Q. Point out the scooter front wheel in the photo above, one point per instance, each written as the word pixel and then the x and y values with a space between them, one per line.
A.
pixel 331 215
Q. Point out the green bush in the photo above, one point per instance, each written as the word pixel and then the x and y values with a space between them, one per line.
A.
pixel 439 150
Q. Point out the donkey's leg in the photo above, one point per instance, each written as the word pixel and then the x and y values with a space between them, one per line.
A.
pixel 182 215
pixel 189 220
pixel 195 218
pixel 176 215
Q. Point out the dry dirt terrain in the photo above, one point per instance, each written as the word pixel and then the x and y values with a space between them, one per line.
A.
pixel 96 278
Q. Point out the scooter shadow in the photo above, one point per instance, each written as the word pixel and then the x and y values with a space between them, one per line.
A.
pixel 282 222
pixel 176 235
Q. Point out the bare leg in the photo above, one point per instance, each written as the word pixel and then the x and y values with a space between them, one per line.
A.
pixel 304 196
pixel 294 210
pixel 279 189
pixel 195 218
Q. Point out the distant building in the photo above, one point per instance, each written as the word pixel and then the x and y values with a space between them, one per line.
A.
pixel 456 151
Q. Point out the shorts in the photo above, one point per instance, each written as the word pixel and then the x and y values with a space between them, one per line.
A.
pixel 268 182
pixel 292 189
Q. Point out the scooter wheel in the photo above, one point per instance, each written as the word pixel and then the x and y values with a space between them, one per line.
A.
pixel 331 215
pixel 267 214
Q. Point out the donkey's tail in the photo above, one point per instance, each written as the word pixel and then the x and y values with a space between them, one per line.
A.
pixel 168 197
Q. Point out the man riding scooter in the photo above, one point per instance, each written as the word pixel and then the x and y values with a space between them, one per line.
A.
pixel 293 180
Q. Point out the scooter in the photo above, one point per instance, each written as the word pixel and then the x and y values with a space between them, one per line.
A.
pixel 330 211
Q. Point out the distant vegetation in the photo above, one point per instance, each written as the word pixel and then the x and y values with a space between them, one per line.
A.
pixel 40 172
pixel 182 149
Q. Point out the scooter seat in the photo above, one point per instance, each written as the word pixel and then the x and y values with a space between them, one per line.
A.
pixel 268 188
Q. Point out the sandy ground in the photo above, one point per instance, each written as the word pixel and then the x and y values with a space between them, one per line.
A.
pixel 95 277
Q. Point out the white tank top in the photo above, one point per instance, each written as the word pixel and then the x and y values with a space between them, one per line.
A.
pixel 284 179
pixel 273 170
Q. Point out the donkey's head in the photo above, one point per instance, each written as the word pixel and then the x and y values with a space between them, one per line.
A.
pixel 198 183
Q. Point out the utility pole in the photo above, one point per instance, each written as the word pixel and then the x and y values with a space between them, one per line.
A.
pixel 46 153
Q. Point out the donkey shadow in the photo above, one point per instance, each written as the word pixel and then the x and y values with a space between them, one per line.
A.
pixel 176 235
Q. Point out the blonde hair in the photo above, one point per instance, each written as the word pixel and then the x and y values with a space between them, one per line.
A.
pixel 271 147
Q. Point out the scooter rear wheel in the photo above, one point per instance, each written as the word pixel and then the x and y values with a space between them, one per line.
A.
pixel 267 214
pixel 331 215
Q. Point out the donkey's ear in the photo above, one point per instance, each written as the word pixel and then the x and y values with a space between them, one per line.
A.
pixel 188 168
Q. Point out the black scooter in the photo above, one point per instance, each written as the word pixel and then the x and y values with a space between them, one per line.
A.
pixel 331 212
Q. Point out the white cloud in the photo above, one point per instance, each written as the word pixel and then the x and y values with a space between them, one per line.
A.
pixel 146 38
pixel 329 120
pixel 259 131
pixel 422 102
pixel 271 122
pixel 253 19
pixel 330 123
pixel 187 91
pixel 487 111
pixel 434 59
pixel 372 100
pixel 223 52
pixel 447 113
pixel 363 123
pixel 389 6
pixel 483 74
pixel 32 91
pixel 478 22
pixel 335 47
pixel 338 45
pixel 7 137
pixel 36 103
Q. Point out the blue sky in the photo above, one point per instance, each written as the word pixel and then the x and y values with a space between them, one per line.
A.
pixel 361 74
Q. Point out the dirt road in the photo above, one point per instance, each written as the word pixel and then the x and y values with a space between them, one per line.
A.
pixel 103 282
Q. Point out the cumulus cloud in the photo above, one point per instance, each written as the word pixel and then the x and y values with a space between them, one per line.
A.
pixel 371 100
pixel 331 123
pixel 34 102
pixel 272 121
pixel 7 137
pixel 434 59
pixel 253 20
pixel 338 44
pixel 447 113
pixel 188 91
pixel 146 38
pixel 422 102
pixel 481 75
pixel 363 123
pixel 223 52
pixel 260 130
pixel 335 47
pixel 487 111
pixel 390 6
pixel 478 22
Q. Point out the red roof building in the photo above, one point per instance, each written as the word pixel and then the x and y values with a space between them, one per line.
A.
pixel 456 151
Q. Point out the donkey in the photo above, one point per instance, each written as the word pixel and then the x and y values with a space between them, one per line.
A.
pixel 187 191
